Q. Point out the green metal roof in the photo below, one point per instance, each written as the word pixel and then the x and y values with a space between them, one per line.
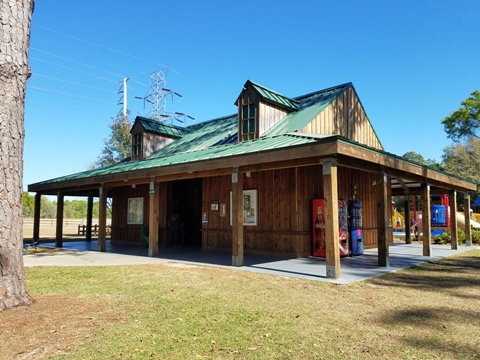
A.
pixel 201 136
pixel 162 128
pixel 213 139
pixel 225 151
pixel 272 96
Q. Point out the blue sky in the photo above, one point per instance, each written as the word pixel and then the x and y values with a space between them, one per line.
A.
pixel 411 62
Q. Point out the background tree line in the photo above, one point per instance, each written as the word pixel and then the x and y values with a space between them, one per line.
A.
pixel 72 209
pixel 462 157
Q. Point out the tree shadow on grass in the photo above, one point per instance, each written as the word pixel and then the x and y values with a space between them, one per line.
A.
pixel 446 275
pixel 435 330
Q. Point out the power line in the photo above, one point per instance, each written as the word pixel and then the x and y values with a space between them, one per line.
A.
pixel 97 45
pixel 67 94
pixel 73 83
pixel 77 62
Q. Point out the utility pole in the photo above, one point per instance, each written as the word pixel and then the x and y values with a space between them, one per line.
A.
pixel 124 100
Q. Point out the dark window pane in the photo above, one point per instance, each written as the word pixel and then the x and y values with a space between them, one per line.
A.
pixel 252 110
pixel 252 125
pixel 245 111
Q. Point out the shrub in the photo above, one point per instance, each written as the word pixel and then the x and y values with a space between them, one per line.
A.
pixel 446 237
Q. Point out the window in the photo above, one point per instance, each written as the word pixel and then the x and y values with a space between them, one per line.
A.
pixel 248 122
pixel 137 147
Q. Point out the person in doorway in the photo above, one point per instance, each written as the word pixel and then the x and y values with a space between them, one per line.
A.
pixel 174 226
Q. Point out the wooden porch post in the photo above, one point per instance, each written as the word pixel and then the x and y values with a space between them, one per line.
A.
pixel 237 218
pixel 406 206
pixel 468 227
pixel 36 217
pixel 154 214
pixel 452 199
pixel 88 232
pixel 164 190
pixel 59 230
pixel 102 220
pixel 426 225
pixel 383 205
pixel 330 193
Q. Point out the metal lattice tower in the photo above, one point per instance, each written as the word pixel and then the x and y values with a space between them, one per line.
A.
pixel 158 95
pixel 158 98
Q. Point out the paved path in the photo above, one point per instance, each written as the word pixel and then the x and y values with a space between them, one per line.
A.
pixel 353 269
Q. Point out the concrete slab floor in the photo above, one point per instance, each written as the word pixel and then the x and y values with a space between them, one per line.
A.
pixel 357 268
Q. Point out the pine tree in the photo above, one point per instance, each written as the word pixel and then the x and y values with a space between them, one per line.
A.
pixel 118 146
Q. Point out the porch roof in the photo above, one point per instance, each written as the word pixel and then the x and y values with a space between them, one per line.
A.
pixel 292 149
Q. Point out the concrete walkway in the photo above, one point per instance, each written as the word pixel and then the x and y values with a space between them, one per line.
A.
pixel 358 268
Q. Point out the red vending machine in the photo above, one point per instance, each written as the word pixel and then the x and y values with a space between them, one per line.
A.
pixel 318 223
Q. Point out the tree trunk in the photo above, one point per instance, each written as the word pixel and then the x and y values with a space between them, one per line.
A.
pixel 15 17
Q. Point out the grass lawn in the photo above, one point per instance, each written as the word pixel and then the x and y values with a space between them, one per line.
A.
pixel 177 311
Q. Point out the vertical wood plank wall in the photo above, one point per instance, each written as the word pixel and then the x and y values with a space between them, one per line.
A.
pixel 269 115
pixel 284 209
pixel 121 231
pixel 346 117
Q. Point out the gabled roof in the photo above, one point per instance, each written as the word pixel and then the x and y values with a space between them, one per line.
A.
pixel 309 106
pixel 215 141
pixel 271 96
pixel 159 127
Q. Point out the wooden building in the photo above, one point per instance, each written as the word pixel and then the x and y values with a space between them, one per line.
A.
pixel 245 182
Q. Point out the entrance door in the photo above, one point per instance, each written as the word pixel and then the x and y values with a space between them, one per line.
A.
pixel 187 201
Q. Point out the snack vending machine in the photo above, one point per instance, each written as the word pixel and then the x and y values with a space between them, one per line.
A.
pixel 355 227
pixel 318 214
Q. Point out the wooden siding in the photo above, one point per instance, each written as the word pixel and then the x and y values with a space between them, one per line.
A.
pixel 153 142
pixel 284 209
pixel 346 117
pixel 121 231
pixel 268 116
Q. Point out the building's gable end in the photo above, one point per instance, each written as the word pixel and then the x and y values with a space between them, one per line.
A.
pixel 345 116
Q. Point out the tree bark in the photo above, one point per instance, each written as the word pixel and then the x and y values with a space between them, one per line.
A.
pixel 15 18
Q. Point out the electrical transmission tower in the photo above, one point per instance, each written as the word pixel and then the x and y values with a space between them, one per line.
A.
pixel 157 98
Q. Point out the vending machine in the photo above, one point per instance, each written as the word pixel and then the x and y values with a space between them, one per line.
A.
pixel 318 223
pixel 355 227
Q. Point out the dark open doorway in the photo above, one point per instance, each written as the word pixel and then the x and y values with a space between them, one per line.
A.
pixel 187 201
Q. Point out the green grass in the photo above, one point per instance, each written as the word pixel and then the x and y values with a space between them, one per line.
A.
pixel 169 311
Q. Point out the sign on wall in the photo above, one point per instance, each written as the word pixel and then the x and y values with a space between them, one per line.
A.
pixel 250 208
pixel 135 210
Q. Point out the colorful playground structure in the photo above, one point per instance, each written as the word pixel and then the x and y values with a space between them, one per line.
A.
pixel 440 218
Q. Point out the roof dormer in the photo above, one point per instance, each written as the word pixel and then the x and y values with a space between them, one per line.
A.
pixel 150 135
pixel 259 109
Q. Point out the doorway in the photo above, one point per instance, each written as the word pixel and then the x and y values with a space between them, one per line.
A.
pixel 187 201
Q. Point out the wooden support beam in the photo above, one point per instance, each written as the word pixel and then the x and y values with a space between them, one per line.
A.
pixel 36 217
pixel 452 199
pixel 237 218
pixel 330 193
pixel 164 193
pixel 88 230
pixel 426 220
pixel 468 227
pixel 408 225
pixel 59 229
pixel 102 220
pixel 383 205
pixel 154 213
